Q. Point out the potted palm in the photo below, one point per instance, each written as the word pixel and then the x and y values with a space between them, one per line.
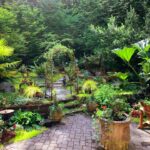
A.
pixel 89 87
pixel 115 125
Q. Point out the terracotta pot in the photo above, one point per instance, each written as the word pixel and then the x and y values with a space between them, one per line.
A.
pixel 56 116
pixel 115 135
pixel 91 106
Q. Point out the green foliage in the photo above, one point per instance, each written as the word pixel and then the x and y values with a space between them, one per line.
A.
pixel 147 101
pixel 6 51
pixel 105 94
pixel 125 54
pixel 56 108
pixel 120 75
pixel 30 91
pixel 116 110
pixel 27 119
pixel 9 99
pixel 89 86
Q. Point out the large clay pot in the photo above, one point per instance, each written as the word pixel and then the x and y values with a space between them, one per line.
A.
pixel 91 106
pixel 56 116
pixel 115 135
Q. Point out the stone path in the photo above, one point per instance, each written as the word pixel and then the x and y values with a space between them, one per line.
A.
pixel 76 133
pixel 61 92
pixel 140 139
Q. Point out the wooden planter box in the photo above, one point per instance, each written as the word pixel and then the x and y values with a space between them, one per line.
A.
pixel 115 135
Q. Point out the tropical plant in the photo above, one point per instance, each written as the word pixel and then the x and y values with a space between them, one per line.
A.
pixel 6 51
pixel 31 91
pixel 89 86
pixel 121 75
pixel 144 71
pixel 126 54
pixel 27 119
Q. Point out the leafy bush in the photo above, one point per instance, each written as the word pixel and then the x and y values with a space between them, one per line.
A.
pixel 32 90
pixel 7 99
pixel 116 110
pixel 27 119
pixel 56 108
pixel 105 93
pixel 89 86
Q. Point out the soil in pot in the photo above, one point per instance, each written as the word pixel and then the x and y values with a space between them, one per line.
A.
pixel 115 135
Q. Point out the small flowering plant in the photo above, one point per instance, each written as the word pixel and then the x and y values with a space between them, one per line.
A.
pixel 116 110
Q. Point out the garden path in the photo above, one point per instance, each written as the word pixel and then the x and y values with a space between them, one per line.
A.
pixel 76 133
pixel 61 91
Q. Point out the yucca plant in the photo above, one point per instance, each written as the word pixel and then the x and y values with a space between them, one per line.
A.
pixel 6 51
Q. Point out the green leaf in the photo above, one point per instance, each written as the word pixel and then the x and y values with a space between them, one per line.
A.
pixel 121 75
pixel 125 54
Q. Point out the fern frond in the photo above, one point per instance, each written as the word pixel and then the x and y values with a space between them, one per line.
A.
pixel 9 65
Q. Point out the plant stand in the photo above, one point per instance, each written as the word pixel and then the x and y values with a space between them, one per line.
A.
pixel 115 135
pixel 6 114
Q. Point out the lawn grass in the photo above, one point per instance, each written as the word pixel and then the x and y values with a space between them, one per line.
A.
pixel 25 135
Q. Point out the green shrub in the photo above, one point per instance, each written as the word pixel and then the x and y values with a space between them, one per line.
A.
pixel 89 86
pixel 105 93
pixel 31 91
pixel 27 119
pixel 115 111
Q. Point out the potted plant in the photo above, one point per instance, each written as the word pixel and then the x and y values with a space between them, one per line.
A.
pixel 115 125
pixel 91 104
pixel 56 112
pixel 89 87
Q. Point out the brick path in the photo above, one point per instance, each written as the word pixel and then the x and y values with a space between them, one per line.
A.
pixel 140 140
pixel 76 133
